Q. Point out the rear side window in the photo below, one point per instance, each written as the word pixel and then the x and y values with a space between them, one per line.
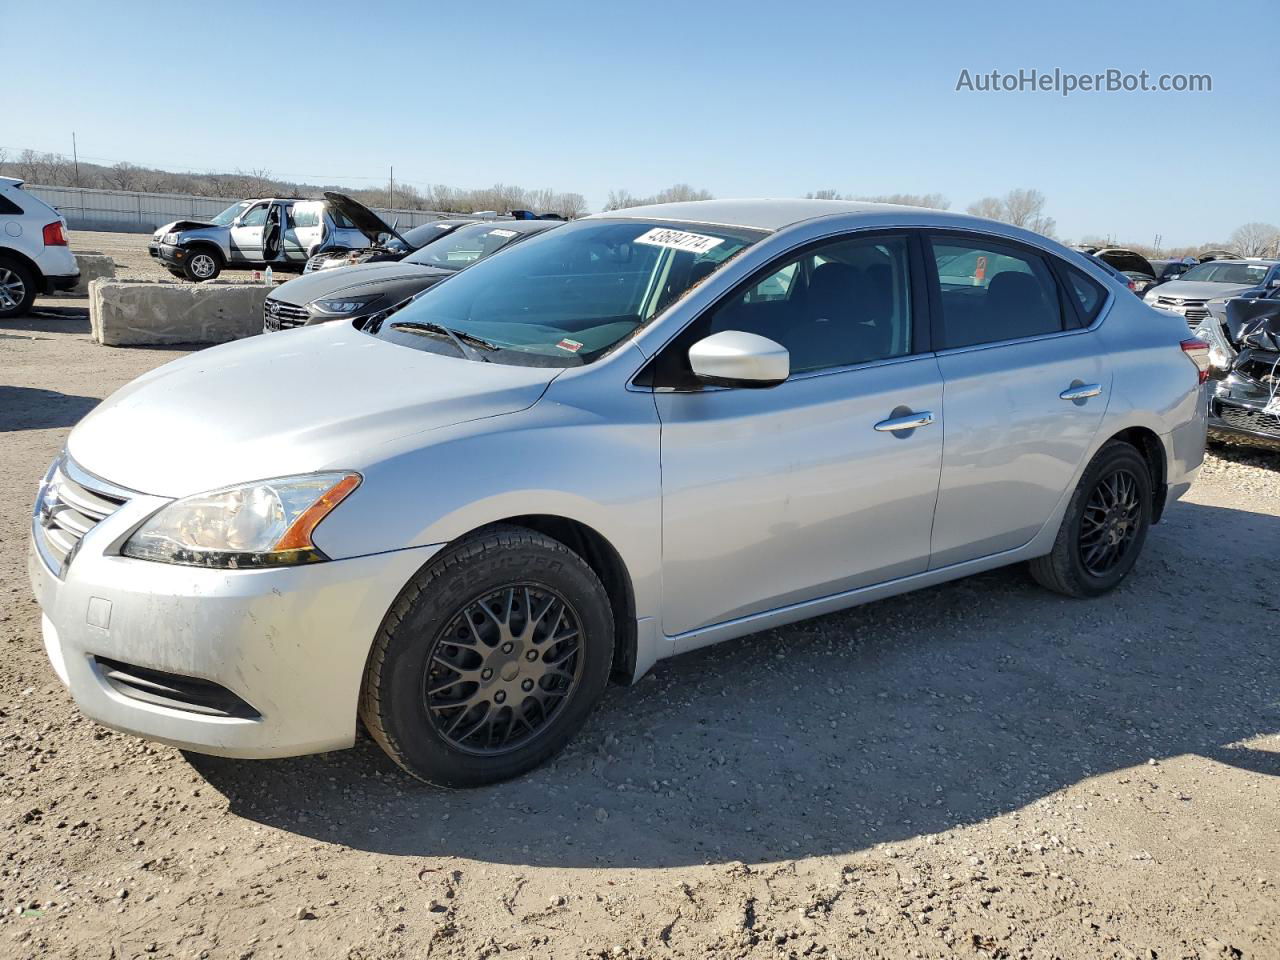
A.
pixel 1088 292
pixel 9 207
pixel 989 292
pixel 305 215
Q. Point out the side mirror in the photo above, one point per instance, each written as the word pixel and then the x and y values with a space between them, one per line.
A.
pixel 235 222
pixel 1275 282
pixel 733 358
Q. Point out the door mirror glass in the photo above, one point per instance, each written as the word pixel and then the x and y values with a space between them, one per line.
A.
pixel 734 358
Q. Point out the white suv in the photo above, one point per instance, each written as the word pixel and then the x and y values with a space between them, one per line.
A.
pixel 34 256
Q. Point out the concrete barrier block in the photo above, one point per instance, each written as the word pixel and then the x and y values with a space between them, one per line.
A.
pixel 136 312
pixel 93 266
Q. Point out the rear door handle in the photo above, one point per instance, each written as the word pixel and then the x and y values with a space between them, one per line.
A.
pixel 909 422
pixel 1082 392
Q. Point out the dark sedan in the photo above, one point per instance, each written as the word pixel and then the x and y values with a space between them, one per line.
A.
pixel 354 293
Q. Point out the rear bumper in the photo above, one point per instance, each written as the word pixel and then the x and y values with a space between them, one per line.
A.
pixel 289 643
pixel 60 282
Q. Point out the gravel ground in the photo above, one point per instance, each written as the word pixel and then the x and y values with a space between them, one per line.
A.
pixel 981 769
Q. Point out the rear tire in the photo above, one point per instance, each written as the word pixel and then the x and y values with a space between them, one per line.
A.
pixel 17 289
pixel 490 660
pixel 202 264
pixel 1104 528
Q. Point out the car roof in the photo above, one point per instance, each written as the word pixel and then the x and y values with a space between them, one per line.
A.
pixel 1250 261
pixel 764 214
pixel 11 181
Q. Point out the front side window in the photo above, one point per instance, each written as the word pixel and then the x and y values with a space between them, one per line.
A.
pixel 255 217
pixel 566 296
pixel 838 304
pixel 990 292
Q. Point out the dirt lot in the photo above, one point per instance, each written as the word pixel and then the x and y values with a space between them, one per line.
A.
pixel 979 770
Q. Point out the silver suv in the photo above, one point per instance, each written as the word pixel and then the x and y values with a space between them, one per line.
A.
pixel 34 255
pixel 258 233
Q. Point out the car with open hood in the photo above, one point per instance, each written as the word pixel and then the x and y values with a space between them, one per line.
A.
pixel 625 438
pixel 276 232
pixel 1213 280
pixel 364 289
pixel 1134 266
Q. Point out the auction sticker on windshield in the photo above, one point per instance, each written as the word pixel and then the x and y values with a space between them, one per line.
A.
pixel 679 240
pixel 502 233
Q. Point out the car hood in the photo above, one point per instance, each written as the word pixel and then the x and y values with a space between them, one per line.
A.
pixel 366 221
pixel 315 398
pixel 1200 289
pixel 181 225
pixel 354 280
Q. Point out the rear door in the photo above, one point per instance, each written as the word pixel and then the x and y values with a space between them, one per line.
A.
pixel 1026 384
pixel 304 229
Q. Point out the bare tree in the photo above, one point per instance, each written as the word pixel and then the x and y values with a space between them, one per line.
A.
pixel 1256 239
pixel 123 176
pixel 825 195
pixel 935 201
pixel 621 199
pixel 568 205
pixel 1020 207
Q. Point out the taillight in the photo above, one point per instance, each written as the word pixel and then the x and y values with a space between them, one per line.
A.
pixel 1133 285
pixel 1197 352
pixel 54 236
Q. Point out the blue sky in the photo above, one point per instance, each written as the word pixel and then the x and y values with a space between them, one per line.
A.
pixel 743 99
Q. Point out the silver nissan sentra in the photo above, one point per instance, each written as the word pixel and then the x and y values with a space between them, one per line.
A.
pixel 629 437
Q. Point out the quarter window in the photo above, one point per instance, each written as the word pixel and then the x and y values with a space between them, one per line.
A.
pixel 1088 293
pixel 990 292
pixel 842 303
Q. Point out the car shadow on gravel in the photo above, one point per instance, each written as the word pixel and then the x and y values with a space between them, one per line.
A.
pixel 894 720
pixel 31 408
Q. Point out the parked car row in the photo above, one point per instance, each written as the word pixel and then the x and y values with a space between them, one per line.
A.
pixel 615 440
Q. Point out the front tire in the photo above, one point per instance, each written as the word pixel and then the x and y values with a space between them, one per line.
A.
pixel 490 660
pixel 17 289
pixel 1104 528
pixel 202 264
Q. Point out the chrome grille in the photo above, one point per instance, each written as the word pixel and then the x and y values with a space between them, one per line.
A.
pixel 278 315
pixel 71 503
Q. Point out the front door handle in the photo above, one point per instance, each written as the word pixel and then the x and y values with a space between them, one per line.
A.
pixel 1082 392
pixel 909 422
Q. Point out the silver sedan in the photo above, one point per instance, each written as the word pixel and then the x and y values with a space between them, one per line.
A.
pixel 621 440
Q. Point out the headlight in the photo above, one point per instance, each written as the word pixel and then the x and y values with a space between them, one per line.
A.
pixel 263 524
pixel 339 308
pixel 170 238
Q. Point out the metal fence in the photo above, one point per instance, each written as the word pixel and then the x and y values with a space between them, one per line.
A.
pixel 129 212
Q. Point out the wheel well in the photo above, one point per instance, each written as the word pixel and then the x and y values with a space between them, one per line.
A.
pixel 8 253
pixel 605 562
pixel 1148 444
pixel 206 245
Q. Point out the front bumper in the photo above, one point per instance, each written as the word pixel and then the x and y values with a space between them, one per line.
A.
pixel 289 642
pixel 168 254
pixel 1236 413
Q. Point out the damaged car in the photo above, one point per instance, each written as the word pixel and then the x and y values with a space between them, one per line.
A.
pixel 1243 335
pixel 367 288
pixel 1137 270
pixel 279 233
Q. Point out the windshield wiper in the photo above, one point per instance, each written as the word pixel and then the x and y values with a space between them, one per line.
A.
pixel 465 342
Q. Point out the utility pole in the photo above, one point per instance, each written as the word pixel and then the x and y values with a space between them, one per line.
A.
pixel 1157 244
pixel 391 190
pixel 75 157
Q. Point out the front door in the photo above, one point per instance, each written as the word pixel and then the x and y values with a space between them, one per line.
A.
pixel 246 234
pixel 1026 387
pixel 777 496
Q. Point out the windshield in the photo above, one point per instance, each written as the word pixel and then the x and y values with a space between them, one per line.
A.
pixel 567 296
pixel 427 233
pixel 226 216
pixel 464 246
pixel 1218 272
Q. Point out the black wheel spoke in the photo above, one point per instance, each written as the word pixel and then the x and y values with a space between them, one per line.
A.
pixel 502 666
pixel 1109 522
